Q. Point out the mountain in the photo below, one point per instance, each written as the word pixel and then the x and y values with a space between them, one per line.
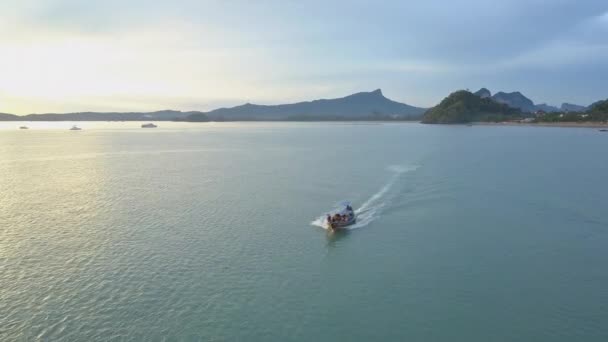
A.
pixel 359 106
pixel 598 111
pixel 483 93
pixel 197 117
pixel 463 106
pixel 163 115
pixel 8 117
pixel 594 104
pixel 545 108
pixel 568 107
pixel 599 107
pixel 515 100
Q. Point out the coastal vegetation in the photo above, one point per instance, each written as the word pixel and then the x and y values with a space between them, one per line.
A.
pixel 463 106
pixel 597 112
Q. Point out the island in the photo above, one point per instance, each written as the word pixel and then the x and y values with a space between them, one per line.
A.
pixel 463 107
pixel 512 108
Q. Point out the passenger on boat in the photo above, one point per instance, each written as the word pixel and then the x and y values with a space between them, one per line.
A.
pixel 349 208
pixel 328 218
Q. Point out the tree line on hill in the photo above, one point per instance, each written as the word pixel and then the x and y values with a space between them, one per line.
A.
pixel 464 106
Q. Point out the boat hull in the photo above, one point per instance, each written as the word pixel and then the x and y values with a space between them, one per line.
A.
pixel 341 225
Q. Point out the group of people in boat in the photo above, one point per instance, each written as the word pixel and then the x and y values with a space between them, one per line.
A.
pixel 341 217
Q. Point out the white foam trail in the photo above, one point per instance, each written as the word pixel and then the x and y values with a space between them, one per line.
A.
pixel 319 222
pixel 372 208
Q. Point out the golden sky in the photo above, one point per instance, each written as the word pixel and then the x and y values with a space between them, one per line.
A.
pixel 138 55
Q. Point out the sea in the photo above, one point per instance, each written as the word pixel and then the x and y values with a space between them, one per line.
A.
pixel 214 232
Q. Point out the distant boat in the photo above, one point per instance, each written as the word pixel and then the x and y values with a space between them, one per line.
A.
pixel 148 125
pixel 75 128
pixel 23 127
pixel 603 130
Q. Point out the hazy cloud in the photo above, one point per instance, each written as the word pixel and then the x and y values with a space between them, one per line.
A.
pixel 69 55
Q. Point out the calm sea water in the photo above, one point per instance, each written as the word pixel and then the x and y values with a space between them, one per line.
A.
pixel 199 232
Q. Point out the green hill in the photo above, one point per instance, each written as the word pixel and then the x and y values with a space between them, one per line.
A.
pixel 599 111
pixel 463 106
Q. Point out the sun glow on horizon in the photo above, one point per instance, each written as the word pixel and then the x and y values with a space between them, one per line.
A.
pixel 134 70
pixel 68 56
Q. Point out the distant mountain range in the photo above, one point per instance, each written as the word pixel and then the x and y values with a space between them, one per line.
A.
pixel 8 117
pixel 360 106
pixel 371 105
pixel 515 100
pixel 521 102
pixel 568 107
pixel 163 115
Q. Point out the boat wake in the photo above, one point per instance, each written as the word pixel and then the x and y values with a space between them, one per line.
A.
pixel 373 207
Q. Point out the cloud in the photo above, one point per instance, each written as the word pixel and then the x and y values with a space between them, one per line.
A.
pixel 67 53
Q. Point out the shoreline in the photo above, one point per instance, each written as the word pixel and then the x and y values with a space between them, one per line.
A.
pixel 587 124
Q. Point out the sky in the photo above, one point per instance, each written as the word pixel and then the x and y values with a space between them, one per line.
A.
pixel 136 55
